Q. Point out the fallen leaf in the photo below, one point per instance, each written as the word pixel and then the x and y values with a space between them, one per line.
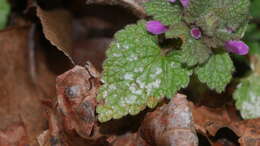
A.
pixel 209 121
pixel 20 97
pixel 170 124
pixel 57 27
pixel 76 92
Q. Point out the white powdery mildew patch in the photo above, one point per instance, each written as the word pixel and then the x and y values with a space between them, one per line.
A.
pixel 126 47
pixel 156 84
pixel 122 103
pixel 105 94
pixel 128 76
pixel 157 72
pixel 118 45
pixel 112 87
pixel 116 55
pixel 132 57
pixel 139 69
pixel 140 83
pixel 134 90
pixel 251 109
pixel 131 99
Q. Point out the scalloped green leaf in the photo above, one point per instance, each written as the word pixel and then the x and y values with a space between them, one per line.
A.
pixel 192 51
pixel 221 20
pixel 4 12
pixel 247 97
pixel 137 75
pixel 217 72
pixel 195 52
pixel 164 11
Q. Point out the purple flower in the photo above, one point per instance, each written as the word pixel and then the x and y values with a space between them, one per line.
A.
pixel 156 27
pixel 185 3
pixel 173 1
pixel 195 33
pixel 237 47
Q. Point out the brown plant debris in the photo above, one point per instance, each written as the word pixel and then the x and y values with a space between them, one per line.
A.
pixel 209 121
pixel 54 135
pixel 57 28
pixel 170 124
pixel 76 92
pixel 20 97
pixel 14 135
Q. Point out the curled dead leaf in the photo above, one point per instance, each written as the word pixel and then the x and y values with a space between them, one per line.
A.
pixel 209 121
pixel 170 124
pixel 76 92
pixel 20 96
pixel 57 27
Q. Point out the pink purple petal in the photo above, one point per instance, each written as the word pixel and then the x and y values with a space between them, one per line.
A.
pixel 195 33
pixel 237 47
pixel 185 3
pixel 156 27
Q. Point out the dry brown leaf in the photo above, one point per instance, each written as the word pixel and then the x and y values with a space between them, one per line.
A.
pixel 209 120
pixel 76 92
pixel 170 124
pixel 20 97
pixel 248 131
pixel 57 27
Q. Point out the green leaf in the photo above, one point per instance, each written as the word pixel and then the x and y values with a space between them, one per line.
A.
pixel 164 11
pixel 217 72
pixel 192 51
pixel 136 74
pixel 255 7
pixel 4 12
pixel 247 97
pixel 196 9
pixel 220 20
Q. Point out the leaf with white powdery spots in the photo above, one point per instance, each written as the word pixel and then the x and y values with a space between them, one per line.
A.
pixel 247 97
pixel 136 75
pixel 217 72
pixel 164 11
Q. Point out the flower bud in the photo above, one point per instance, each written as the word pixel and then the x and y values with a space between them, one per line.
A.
pixel 156 27
pixel 195 33
pixel 237 47
pixel 185 3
